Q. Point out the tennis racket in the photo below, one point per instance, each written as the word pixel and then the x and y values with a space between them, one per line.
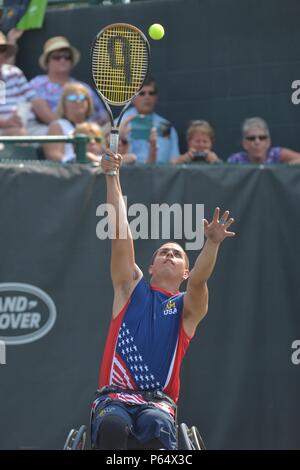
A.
pixel 120 63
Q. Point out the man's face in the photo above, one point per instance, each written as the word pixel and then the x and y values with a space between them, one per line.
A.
pixel 145 101
pixel 170 260
pixel 256 142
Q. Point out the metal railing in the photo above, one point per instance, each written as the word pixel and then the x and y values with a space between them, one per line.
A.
pixel 79 141
pixel 88 2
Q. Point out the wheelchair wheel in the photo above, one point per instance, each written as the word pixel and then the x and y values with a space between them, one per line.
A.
pixel 184 442
pixel 197 439
pixel 76 439
pixel 189 439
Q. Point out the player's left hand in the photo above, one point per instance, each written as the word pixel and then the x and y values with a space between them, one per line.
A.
pixel 216 230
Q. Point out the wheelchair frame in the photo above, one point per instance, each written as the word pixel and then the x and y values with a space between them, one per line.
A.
pixel 187 438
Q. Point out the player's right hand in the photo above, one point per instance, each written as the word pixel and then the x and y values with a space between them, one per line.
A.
pixel 111 161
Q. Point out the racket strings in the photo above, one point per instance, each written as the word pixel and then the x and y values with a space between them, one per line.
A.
pixel 119 63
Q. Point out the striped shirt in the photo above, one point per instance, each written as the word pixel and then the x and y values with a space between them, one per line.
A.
pixel 16 89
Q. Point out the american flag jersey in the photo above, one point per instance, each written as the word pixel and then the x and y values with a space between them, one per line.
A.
pixel 145 346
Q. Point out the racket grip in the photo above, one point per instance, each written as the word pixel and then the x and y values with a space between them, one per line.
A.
pixel 114 140
pixel 113 145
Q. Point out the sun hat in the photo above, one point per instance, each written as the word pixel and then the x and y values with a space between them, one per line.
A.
pixel 54 44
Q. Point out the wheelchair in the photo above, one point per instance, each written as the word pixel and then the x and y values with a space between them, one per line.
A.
pixel 187 438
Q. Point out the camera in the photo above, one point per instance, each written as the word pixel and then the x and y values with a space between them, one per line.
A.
pixel 200 157
pixel 164 129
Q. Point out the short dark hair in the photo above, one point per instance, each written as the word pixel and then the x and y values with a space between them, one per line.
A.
pixel 151 81
pixel 187 261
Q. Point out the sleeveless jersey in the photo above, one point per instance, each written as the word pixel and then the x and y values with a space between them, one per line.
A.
pixel 146 344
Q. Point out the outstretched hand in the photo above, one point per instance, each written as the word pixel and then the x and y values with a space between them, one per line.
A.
pixel 216 230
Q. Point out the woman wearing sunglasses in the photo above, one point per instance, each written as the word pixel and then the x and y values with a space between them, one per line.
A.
pixel 58 59
pixel 75 107
pixel 256 142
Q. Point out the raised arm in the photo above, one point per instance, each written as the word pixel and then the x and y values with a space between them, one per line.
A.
pixel 196 297
pixel 125 273
pixel 12 38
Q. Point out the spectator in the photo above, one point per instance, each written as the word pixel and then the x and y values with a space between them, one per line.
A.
pixel 257 146
pixel 96 145
pixel 200 137
pixel 75 107
pixel 18 99
pixel 123 149
pixel 151 137
pixel 59 57
pixel 99 140
pixel 12 38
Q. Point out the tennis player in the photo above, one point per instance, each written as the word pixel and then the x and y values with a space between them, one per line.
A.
pixel 151 328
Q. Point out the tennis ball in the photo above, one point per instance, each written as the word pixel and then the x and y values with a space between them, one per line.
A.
pixel 156 31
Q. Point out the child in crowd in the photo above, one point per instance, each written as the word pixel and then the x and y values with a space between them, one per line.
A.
pixel 96 144
pixel 200 139
pixel 99 141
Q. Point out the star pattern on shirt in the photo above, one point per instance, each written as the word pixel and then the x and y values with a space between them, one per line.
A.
pixel 128 351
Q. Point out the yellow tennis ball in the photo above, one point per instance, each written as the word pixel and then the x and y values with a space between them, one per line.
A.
pixel 156 31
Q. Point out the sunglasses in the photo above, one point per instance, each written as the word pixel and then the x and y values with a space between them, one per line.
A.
pixel 150 93
pixel 252 138
pixel 74 98
pixel 98 140
pixel 61 55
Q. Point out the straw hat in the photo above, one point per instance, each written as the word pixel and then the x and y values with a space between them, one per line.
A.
pixel 10 49
pixel 54 44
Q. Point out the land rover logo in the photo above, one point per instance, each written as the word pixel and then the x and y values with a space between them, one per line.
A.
pixel 26 313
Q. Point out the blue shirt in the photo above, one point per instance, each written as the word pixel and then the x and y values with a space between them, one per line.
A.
pixel 167 146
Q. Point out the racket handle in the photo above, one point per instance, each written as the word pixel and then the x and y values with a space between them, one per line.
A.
pixel 113 145
pixel 114 140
